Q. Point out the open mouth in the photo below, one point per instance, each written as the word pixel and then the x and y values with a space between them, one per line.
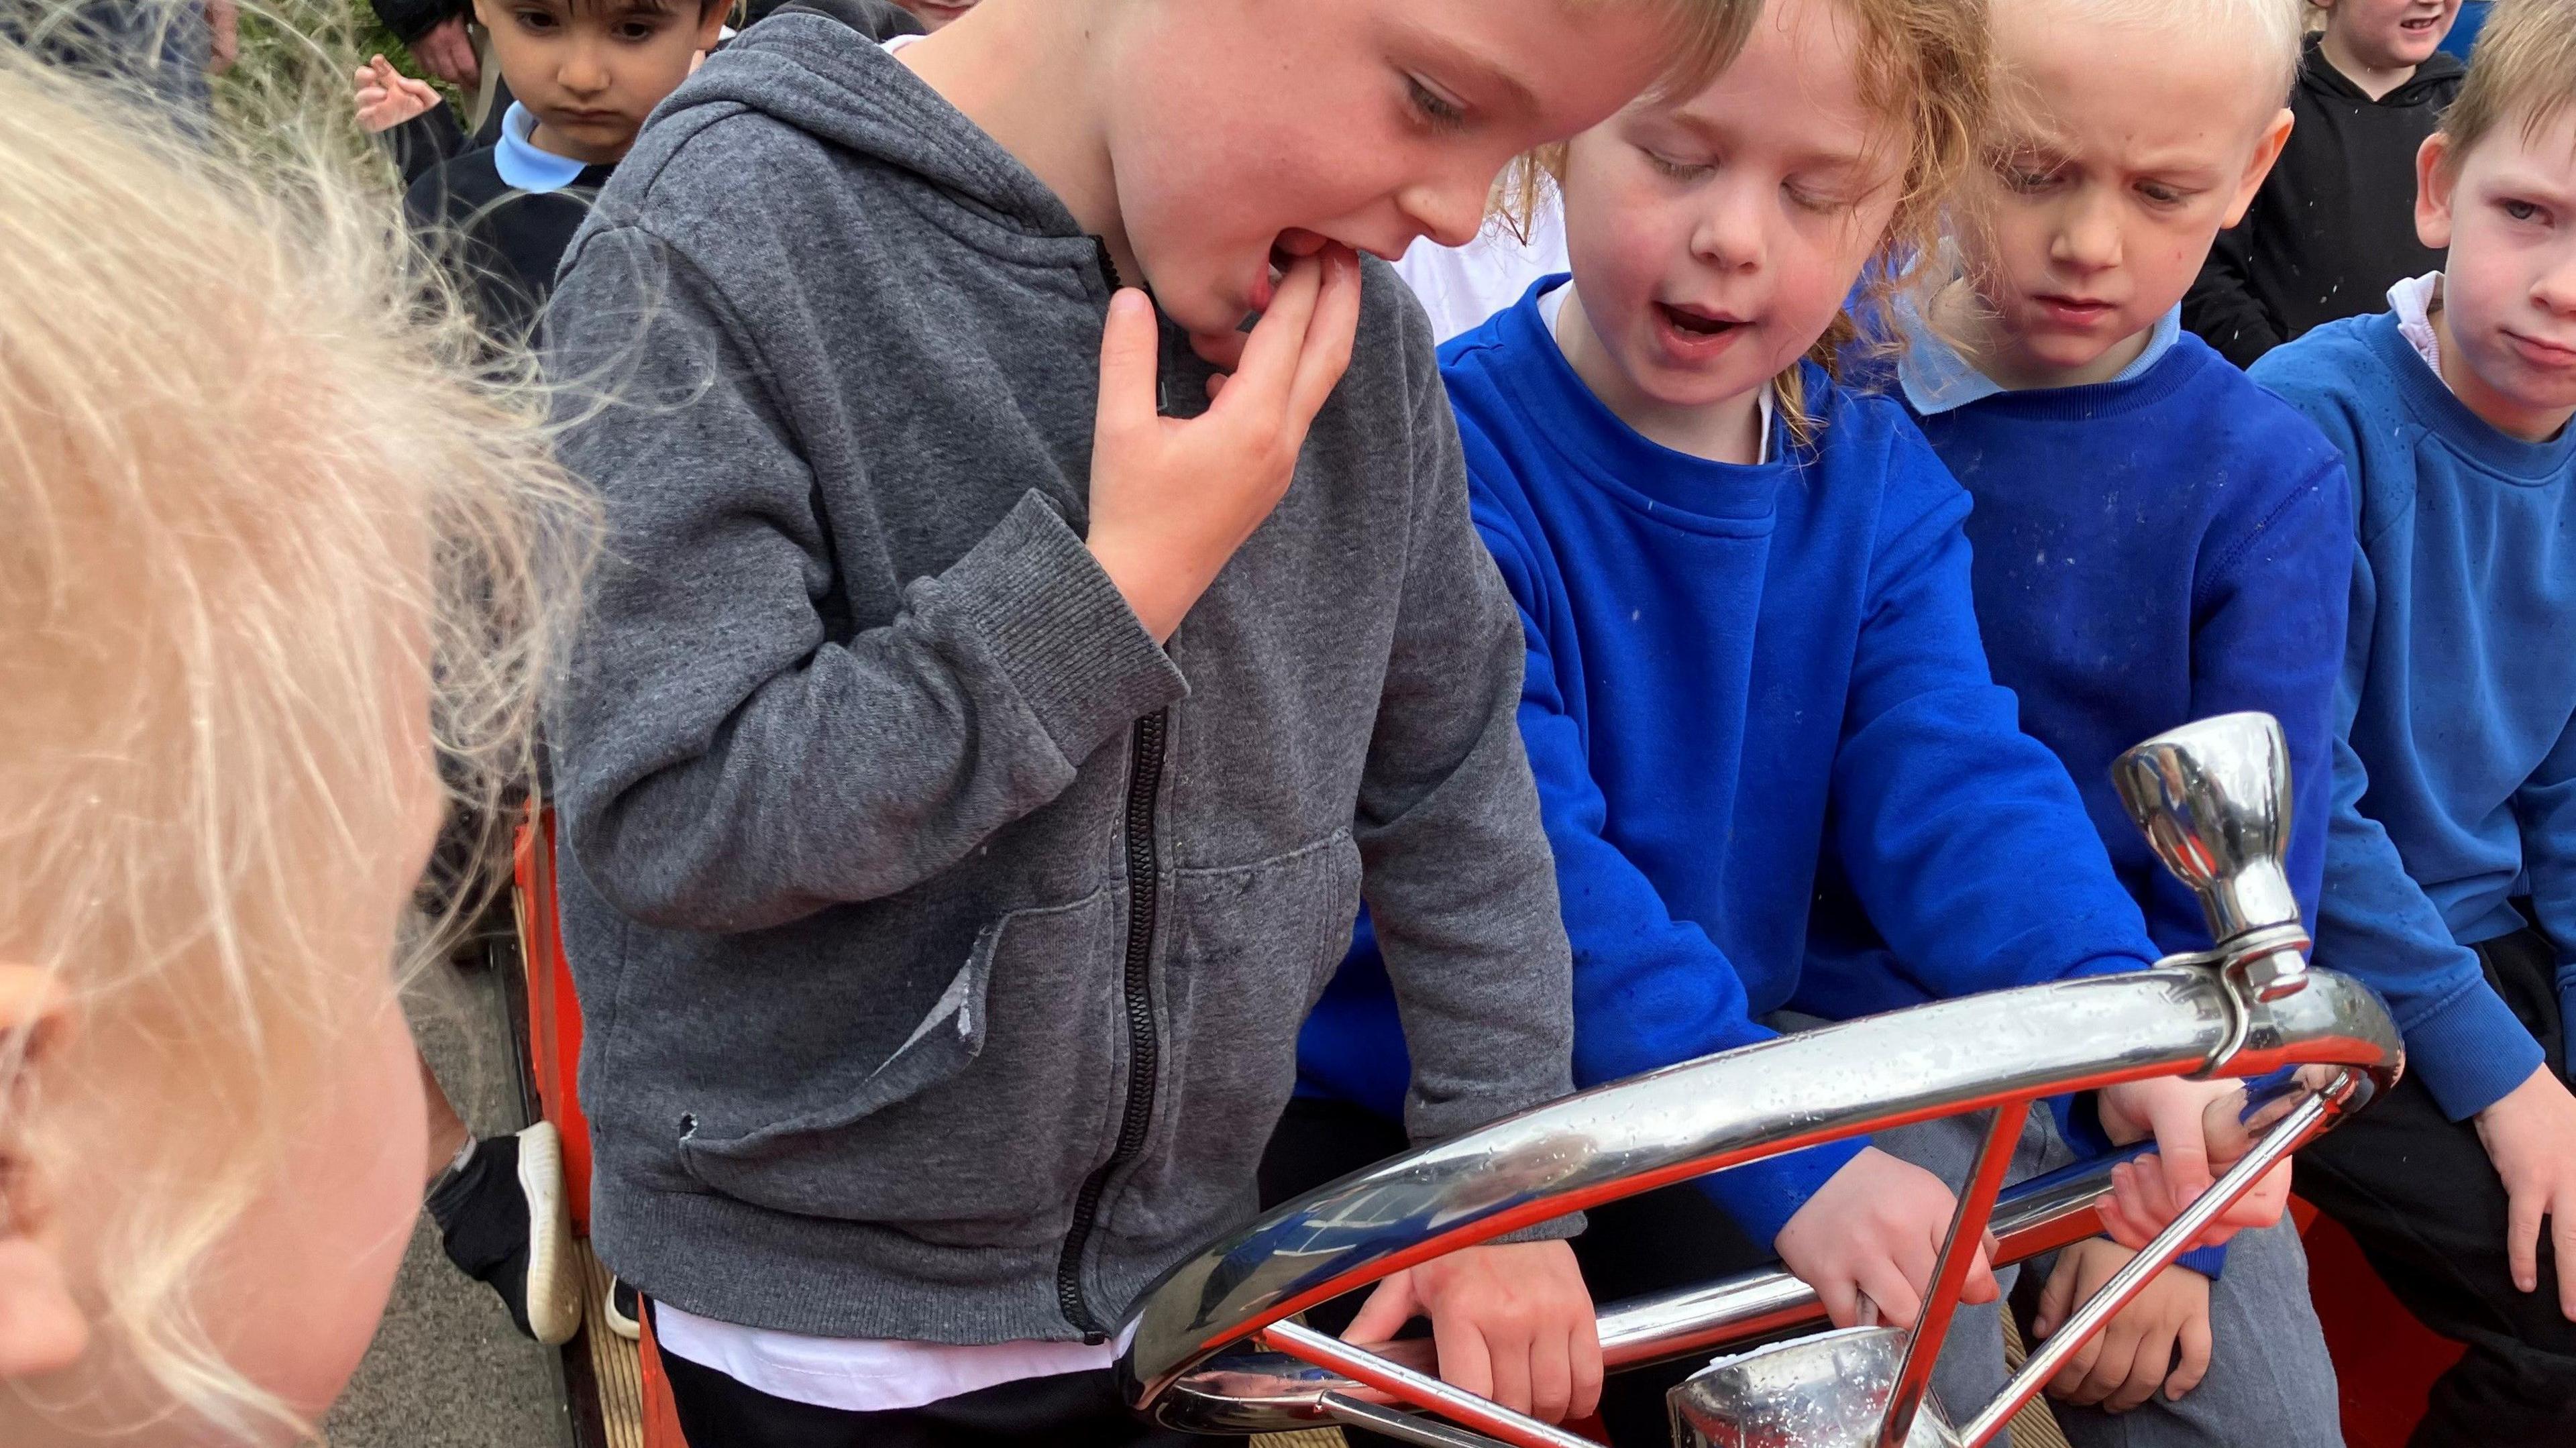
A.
pixel 1691 322
pixel 2419 24
pixel 1286 250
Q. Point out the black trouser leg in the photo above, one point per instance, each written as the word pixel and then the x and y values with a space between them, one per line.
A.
pixel 2417 1191
pixel 1675 1237
pixel 1070 1410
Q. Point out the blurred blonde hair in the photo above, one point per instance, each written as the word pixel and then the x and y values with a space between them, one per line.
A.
pixel 2523 66
pixel 263 491
pixel 1924 67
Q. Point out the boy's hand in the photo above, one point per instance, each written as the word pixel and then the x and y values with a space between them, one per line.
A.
pixel 1171 499
pixel 2134 1354
pixel 2530 1135
pixel 387 97
pixel 2197 1133
pixel 447 52
pixel 1513 1323
pixel 1875 1228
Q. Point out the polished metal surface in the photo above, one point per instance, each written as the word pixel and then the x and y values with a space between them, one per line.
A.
pixel 1248 1389
pixel 1826 1391
pixel 1406 1427
pixel 2213 798
pixel 2295 1130
pixel 1720 1111
pixel 1959 1248
pixel 1421 1388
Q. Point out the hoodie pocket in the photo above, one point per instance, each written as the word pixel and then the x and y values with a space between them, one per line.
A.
pixel 979 1128
pixel 1253 946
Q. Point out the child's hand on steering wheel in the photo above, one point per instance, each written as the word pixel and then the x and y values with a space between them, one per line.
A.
pixel 1512 1322
pixel 2198 1133
pixel 1873 1231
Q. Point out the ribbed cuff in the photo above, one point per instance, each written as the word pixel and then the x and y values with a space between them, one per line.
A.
pixel 2209 1262
pixel 1762 1196
pixel 1060 629
pixel 2470 1050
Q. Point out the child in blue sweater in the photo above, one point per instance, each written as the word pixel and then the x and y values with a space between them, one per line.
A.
pixel 2451 869
pixel 2157 540
pixel 1752 642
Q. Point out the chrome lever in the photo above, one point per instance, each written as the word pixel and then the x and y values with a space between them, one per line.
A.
pixel 2213 799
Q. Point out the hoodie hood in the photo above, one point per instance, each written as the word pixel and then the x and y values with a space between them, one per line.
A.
pixel 816 73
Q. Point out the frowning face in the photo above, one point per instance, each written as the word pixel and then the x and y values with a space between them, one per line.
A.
pixel 2507 212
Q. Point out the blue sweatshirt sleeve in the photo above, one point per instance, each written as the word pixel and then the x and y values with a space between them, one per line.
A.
pixel 1649 990
pixel 2268 635
pixel 2546 807
pixel 1945 810
pixel 2373 921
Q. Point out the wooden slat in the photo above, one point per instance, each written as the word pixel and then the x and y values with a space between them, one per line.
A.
pixel 2033 1426
pixel 613 1360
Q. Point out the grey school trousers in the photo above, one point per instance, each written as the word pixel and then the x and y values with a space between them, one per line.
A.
pixel 2270 1382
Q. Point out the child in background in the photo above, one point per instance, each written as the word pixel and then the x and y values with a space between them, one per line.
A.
pixel 1752 646
pixel 422 135
pixel 2157 540
pixel 275 558
pixel 2451 869
pixel 1002 696
pixel 2330 229
pixel 584 74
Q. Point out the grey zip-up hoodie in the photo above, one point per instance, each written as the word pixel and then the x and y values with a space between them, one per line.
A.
pixel 942 941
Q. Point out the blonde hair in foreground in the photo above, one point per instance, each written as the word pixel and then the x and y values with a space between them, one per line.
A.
pixel 2523 66
pixel 262 495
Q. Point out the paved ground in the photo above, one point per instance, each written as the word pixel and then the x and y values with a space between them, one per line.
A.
pixel 447 1369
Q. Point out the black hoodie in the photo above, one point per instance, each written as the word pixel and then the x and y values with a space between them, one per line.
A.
pixel 2334 225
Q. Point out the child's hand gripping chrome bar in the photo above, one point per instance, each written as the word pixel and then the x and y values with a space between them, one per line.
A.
pixel 1210 1347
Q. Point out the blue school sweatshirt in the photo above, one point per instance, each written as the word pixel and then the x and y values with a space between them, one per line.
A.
pixel 1735 673
pixel 2167 545
pixel 2455 776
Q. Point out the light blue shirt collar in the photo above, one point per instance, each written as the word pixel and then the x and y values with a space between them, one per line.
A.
pixel 1937 379
pixel 519 161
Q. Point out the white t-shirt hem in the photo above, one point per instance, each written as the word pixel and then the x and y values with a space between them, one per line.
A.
pixel 863 1375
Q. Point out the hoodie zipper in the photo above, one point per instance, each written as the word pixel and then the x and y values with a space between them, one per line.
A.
pixel 1144 1054
pixel 1144 783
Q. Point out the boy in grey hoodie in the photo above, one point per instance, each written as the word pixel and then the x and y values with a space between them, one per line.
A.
pixel 999 698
